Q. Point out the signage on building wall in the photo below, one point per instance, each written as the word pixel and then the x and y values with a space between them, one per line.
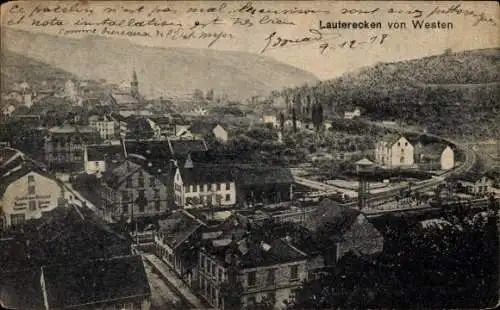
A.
pixel 19 205
pixel 32 197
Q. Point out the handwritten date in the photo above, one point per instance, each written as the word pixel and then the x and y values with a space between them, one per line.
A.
pixel 353 44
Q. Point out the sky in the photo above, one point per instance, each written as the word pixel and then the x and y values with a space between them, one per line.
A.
pixel 474 26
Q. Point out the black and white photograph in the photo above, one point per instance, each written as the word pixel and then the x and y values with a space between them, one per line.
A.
pixel 252 155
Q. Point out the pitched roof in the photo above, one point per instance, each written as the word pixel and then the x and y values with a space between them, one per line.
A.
pixel 149 149
pixel 95 282
pixel 123 98
pixel 17 168
pixel 155 156
pixel 262 175
pixel 8 156
pixel 182 147
pixel 391 138
pixel 364 162
pixel 117 176
pixel 255 252
pixel 206 174
pixel 362 237
pixel 332 213
pixel 203 128
pixel 435 223
pixel 433 150
pixel 68 128
pixel 178 227
pixel 21 289
pixel 276 252
pixel 346 225
pixel 100 118
pixel 162 120
pixel 70 230
pixel 92 101
pixel 118 117
pixel 100 152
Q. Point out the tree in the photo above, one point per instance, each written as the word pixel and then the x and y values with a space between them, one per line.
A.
pixel 282 121
pixel 198 95
pixel 210 95
pixel 294 120
pixel 317 116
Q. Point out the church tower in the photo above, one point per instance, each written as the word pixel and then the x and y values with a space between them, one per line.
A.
pixel 134 85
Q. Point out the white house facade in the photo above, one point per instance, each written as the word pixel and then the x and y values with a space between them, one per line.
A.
pixel 199 187
pixel 104 125
pixel 29 196
pixel 352 114
pixel 270 119
pixel 447 159
pixel 394 151
pixel 220 133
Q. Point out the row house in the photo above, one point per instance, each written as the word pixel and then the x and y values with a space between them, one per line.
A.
pixel 104 125
pixel 250 271
pixel 97 157
pixel 394 151
pixel 472 183
pixel 164 155
pixel 176 243
pixel 64 146
pixel 132 190
pixel 233 262
pixel 199 186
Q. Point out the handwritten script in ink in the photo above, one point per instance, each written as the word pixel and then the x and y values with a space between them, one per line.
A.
pixel 273 26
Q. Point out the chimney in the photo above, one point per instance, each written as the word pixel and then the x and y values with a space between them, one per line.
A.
pixel 189 163
pixel 85 155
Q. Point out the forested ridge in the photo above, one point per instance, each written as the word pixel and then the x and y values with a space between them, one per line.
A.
pixel 452 94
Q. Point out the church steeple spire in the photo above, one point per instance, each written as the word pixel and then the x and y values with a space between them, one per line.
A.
pixel 134 85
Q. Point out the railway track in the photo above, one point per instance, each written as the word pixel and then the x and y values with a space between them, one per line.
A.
pixel 326 190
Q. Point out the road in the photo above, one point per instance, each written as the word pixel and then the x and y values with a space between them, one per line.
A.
pixel 162 296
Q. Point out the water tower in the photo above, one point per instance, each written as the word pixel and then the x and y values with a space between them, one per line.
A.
pixel 364 168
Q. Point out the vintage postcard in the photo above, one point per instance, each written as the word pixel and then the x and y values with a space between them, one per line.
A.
pixel 249 155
